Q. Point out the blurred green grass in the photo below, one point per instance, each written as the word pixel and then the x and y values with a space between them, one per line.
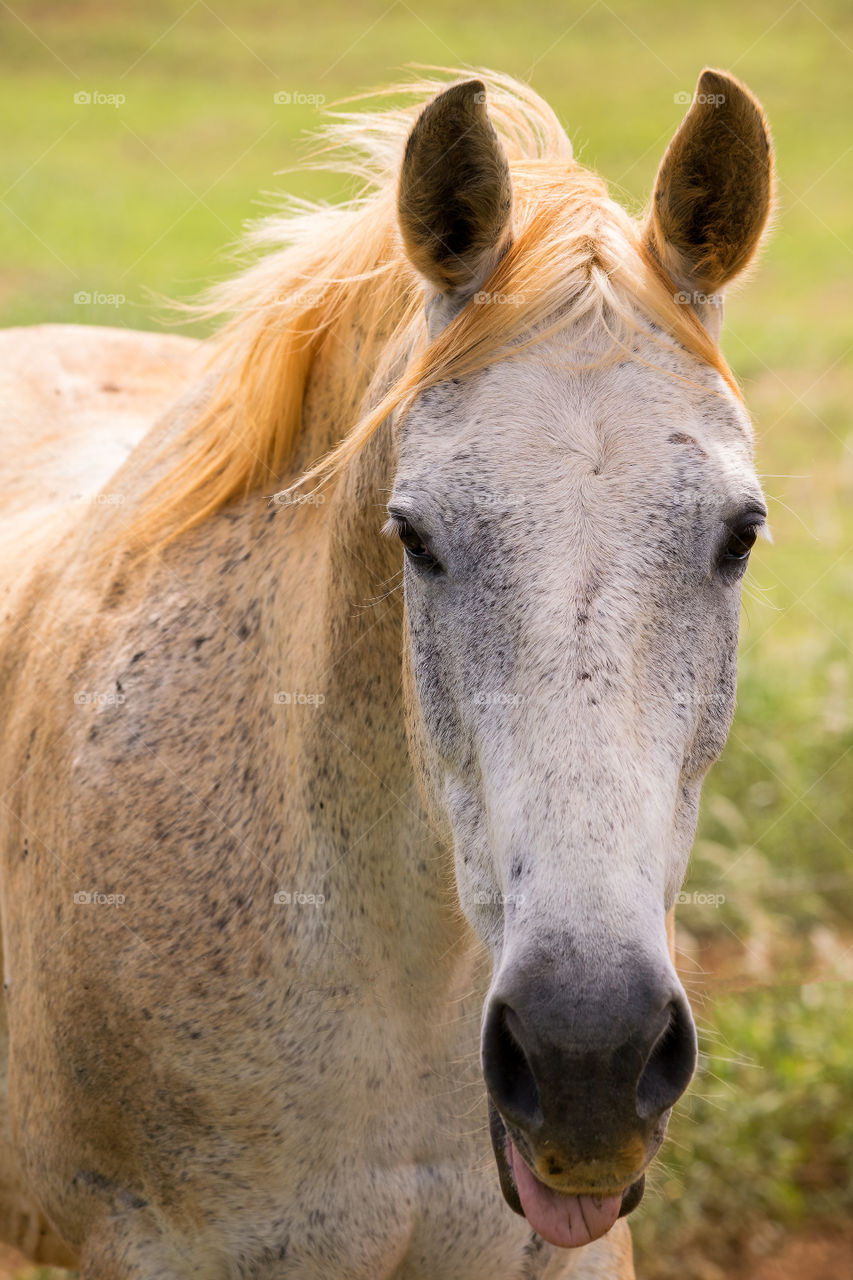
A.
pixel 145 198
pixel 762 1143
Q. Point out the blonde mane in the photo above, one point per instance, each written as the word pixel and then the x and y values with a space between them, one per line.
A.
pixel 330 273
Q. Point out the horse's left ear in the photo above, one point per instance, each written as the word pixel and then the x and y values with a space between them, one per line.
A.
pixel 713 191
pixel 454 203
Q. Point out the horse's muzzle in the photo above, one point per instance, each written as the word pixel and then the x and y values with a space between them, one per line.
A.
pixel 580 1089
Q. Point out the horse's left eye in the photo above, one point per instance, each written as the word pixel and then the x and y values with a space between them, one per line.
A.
pixel 416 548
pixel 739 543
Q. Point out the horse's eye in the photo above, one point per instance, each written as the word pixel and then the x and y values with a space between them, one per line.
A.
pixel 416 549
pixel 739 543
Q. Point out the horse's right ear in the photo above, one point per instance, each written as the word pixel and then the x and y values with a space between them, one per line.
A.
pixel 454 202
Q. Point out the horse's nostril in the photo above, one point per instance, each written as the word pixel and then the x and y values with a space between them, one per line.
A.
pixel 506 1069
pixel 670 1064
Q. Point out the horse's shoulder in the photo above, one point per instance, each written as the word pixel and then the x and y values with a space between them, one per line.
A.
pixel 75 401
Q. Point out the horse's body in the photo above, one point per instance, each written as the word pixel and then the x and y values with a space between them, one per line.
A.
pixel 217 1012
pixel 244 1006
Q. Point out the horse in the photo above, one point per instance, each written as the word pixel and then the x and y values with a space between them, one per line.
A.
pixel 361 667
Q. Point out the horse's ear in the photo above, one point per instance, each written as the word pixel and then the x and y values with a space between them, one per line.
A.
pixel 454 202
pixel 713 190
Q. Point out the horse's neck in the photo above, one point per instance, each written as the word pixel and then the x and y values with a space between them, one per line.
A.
pixel 366 844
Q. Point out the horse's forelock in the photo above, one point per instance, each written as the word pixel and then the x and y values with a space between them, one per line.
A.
pixel 574 251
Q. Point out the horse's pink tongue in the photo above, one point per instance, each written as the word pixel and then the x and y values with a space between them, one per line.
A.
pixel 567 1221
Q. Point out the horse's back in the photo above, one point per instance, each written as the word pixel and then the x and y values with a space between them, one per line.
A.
pixel 74 401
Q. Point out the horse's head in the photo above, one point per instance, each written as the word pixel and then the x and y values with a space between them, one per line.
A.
pixel 577 517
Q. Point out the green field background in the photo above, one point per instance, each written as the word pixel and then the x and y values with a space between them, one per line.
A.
pixel 132 199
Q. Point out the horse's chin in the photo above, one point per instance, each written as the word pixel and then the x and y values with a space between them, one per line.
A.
pixel 506 1157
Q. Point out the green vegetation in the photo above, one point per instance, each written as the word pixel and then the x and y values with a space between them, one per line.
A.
pixel 763 1141
pixel 143 198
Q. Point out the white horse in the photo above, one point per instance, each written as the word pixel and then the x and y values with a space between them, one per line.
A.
pixel 310 883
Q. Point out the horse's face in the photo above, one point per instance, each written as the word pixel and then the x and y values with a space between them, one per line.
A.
pixel 575 553
pixel 575 544
pixel 575 547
